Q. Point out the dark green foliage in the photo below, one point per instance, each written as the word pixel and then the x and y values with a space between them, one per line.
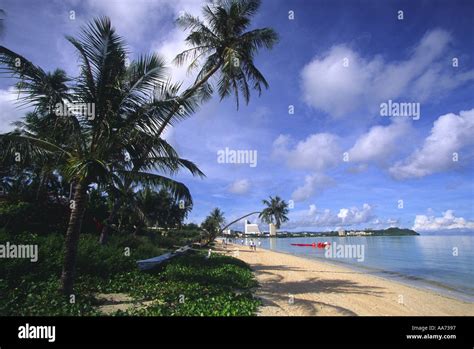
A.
pixel 40 216
pixel 212 224
pixel 218 286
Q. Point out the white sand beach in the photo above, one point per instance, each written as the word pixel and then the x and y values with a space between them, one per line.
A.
pixel 295 286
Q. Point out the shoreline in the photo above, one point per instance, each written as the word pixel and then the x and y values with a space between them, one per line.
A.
pixel 415 282
pixel 297 286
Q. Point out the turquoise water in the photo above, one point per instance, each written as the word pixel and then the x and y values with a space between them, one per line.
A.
pixel 423 261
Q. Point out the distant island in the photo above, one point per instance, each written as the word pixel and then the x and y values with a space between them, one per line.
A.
pixel 341 233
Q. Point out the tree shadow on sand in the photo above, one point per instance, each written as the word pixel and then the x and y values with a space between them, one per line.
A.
pixel 276 292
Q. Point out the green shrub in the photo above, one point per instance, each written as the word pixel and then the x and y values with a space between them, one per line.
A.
pixel 40 217
pixel 218 286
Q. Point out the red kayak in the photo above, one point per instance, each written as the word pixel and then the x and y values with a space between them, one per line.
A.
pixel 318 245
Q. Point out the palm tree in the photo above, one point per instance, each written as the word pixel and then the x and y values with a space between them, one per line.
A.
pixel 227 47
pixel 168 161
pixel 212 224
pixel 128 115
pixel 43 167
pixel 275 212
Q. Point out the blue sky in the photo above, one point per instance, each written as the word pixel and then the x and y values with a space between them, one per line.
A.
pixel 336 62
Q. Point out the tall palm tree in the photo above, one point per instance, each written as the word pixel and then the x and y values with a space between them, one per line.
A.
pixel 128 115
pixel 275 212
pixel 227 47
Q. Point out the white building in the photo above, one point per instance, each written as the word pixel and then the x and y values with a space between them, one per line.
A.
pixel 251 229
pixel 272 228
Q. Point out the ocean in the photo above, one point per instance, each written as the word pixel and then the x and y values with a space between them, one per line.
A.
pixel 441 263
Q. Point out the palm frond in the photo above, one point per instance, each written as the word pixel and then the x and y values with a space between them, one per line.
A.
pixel 35 86
pixel 178 190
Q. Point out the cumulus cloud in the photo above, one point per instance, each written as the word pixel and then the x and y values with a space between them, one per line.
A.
pixel 346 217
pixel 318 152
pixel 130 18
pixel 379 143
pixel 450 134
pixel 354 215
pixel 448 221
pixel 126 14
pixel 313 184
pixel 173 43
pixel 341 80
pixel 384 224
pixel 240 186
pixel 9 112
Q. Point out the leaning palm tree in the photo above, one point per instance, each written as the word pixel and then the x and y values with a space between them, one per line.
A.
pixel 275 212
pixel 226 46
pixel 99 146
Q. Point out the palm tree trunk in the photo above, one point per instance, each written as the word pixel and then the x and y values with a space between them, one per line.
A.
pixel 188 93
pixel 104 234
pixel 40 185
pixel 136 231
pixel 72 238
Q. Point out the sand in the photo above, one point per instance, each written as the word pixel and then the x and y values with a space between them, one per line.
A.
pixel 295 286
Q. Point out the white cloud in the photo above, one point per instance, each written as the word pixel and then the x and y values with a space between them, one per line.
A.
pixel 174 42
pixel 354 215
pixel 314 183
pixel 330 86
pixel 318 152
pixel 9 111
pixel 379 143
pixel 240 186
pixel 133 18
pixel 450 134
pixel 384 224
pixel 346 217
pixel 130 18
pixel 447 222
pixel 338 89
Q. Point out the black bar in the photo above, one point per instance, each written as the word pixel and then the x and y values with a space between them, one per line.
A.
pixel 158 332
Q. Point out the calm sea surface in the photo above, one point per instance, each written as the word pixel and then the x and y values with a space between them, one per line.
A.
pixel 441 263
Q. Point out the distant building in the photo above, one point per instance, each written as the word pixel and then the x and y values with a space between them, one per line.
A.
pixel 341 232
pixel 359 233
pixel 251 229
pixel 272 228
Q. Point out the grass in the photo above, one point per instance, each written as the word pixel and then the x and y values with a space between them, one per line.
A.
pixel 189 285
